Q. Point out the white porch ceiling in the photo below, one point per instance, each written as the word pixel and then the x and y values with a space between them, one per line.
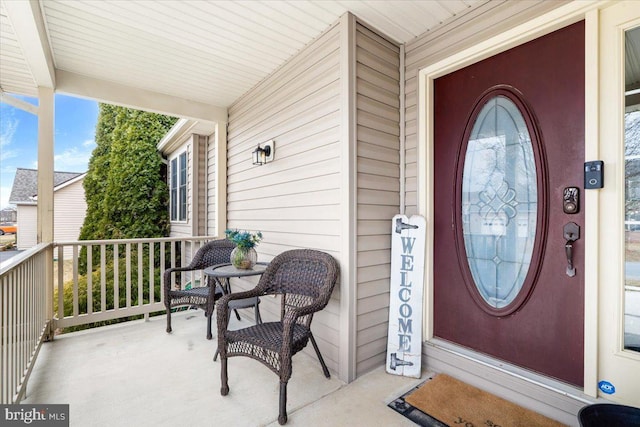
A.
pixel 209 52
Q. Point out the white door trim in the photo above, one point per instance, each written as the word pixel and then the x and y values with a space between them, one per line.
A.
pixel 616 365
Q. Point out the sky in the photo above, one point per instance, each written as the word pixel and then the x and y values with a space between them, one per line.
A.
pixel 74 140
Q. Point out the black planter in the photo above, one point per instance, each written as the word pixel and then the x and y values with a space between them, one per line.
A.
pixel 609 415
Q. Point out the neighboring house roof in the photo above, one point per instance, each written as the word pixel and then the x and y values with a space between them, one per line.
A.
pixel 25 184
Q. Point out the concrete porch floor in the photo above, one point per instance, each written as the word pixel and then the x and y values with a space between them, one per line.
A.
pixel 135 374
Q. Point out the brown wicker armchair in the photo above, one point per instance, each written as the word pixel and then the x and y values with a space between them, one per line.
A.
pixel 305 279
pixel 203 297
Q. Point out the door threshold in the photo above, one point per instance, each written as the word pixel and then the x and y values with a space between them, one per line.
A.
pixel 529 376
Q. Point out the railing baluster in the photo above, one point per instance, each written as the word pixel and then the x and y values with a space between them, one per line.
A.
pixel 25 330
pixel 9 330
pixel 152 272
pixel 12 338
pixel 140 276
pixel 4 344
pixel 103 277
pixel 183 253
pixel 197 275
pixel 128 267
pixel 116 277
pixel 173 261
pixel 162 269
pixel 89 280
pixel 60 284
pixel 17 340
pixel 75 279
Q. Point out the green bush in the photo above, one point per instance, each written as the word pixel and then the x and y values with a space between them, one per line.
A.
pixel 125 188
pixel 127 198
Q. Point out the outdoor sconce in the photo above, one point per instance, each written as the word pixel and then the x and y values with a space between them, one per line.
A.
pixel 264 154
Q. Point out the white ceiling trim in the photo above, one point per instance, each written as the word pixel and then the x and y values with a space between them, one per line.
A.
pixel 18 103
pixel 32 36
pixel 115 93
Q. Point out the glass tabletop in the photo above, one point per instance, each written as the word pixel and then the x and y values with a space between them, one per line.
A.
pixel 228 270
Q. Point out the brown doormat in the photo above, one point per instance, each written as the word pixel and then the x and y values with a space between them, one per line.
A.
pixel 458 404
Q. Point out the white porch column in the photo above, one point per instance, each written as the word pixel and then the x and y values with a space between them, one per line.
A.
pixel 45 165
pixel 45 188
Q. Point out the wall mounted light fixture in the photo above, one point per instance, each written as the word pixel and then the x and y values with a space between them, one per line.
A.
pixel 264 154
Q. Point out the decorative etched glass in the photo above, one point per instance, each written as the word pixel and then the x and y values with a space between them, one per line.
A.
pixel 499 201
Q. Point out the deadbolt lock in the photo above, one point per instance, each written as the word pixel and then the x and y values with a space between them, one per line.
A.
pixel 571 200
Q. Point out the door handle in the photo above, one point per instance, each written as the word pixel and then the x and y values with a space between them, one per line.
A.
pixel 568 248
pixel 571 233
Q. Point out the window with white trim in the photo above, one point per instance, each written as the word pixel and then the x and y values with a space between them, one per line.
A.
pixel 178 187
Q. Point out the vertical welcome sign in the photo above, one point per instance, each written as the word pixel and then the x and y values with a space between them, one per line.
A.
pixel 404 345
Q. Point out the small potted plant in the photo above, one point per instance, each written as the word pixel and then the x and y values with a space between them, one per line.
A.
pixel 244 256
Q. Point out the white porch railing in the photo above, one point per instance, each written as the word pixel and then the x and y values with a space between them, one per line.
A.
pixel 23 319
pixel 125 280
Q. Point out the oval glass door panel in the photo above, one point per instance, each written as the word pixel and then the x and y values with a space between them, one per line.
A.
pixel 499 201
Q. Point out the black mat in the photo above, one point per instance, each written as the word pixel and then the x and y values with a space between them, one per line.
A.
pixel 414 414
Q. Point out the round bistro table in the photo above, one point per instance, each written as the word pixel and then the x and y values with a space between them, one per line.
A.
pixel 221 274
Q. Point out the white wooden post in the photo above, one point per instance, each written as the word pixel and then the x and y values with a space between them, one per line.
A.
pixel 45 165
pixel 45 188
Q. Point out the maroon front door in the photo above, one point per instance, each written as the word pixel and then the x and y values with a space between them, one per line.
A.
pixel 509 159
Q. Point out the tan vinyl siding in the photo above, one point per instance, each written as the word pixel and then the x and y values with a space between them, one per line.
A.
pixel 294 200
pixel 192 155
pixel 198 185
pixel 378 182
pixel 69 210
pixel 210 172
pixel 202 187
pixel 460 33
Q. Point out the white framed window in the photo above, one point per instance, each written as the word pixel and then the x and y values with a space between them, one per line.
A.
pixel 178 188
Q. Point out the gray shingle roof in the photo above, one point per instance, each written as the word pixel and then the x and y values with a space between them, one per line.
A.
pixel 25 184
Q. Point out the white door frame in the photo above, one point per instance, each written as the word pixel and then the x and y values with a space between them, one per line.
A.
pixel 616 365
pixel 547 23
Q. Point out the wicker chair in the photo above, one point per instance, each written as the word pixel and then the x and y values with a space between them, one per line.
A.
pixel 204 297
pixel 305 279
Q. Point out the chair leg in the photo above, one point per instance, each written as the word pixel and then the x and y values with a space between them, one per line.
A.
pixel 224 388
pixel 258 317
pixel 282 418
pixel 258 321
pixel 209 334
pixel 215 356
pixel 168 320
pixel 315 347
